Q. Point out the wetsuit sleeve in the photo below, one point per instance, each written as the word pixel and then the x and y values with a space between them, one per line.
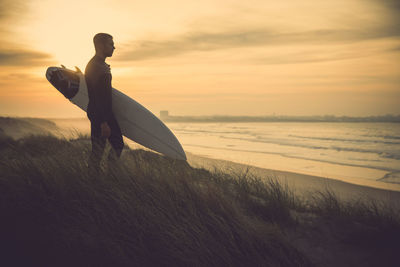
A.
pixel 104 90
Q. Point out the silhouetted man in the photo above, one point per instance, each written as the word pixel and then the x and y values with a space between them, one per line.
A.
pixel 103 124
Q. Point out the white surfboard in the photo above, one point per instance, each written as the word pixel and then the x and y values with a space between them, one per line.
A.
pixel 136 122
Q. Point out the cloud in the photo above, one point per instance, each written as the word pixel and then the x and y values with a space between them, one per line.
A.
pixel 11 77
pixel 381 20
pixel 200 41
pixel 392 5
pixel 12 13
pixel 320 55
pixel 395 49
pixel 24 58
pixel 392 12
pixel 10 9
pixel 18 80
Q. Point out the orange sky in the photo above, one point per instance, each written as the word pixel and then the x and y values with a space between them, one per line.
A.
pixel 225 57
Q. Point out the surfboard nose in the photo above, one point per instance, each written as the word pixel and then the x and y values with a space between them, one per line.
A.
pixel 49 72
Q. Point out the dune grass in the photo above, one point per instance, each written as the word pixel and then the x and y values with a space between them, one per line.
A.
pixel 362 221
pixel 149 210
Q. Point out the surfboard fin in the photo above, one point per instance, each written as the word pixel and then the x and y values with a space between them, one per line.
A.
pixel 78 69
pixel 63 66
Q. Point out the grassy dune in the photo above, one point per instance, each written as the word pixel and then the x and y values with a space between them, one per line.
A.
pixel 21 127
pixel 149 210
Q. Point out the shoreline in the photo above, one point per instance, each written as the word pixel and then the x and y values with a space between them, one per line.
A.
pixel 347 187
pixel 314 167
pixel 300 182
pixel 350 173
pixel 304 184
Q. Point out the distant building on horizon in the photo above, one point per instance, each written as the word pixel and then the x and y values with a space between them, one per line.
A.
pixel 164 114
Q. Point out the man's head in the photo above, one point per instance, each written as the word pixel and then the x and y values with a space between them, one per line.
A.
pixel 104 44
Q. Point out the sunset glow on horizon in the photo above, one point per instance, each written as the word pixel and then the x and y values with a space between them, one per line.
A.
pixel 209 57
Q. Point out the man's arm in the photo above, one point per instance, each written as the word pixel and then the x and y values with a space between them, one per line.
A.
pixel 104 108
pixel 104 93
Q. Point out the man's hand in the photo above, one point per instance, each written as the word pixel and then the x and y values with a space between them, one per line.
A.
pixel 105 130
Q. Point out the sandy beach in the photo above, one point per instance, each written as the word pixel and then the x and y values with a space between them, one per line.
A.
pixel 305 185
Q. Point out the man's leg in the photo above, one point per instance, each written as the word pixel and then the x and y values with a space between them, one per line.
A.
pixel 98 145
pixel 115 140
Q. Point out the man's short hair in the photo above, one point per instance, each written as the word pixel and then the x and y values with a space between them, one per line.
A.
pixel 100 38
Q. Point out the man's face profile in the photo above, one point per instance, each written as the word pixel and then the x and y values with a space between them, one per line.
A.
pixel 108 47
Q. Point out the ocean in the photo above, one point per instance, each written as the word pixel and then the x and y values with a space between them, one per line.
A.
pixel 351 152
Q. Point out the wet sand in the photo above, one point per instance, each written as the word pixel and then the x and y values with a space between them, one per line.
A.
pixel 305 185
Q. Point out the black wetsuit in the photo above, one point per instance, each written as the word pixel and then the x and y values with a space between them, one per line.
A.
pixel 98 79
